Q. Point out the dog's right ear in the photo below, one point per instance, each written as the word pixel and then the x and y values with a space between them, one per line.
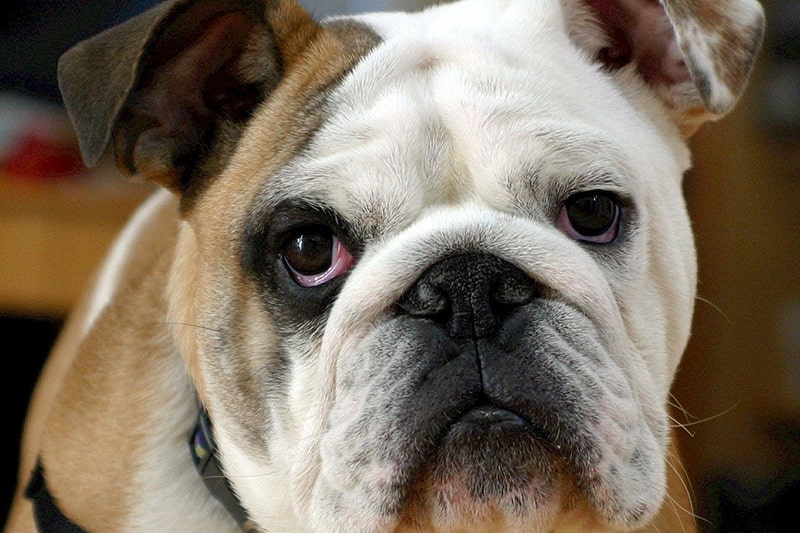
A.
pixel 162 87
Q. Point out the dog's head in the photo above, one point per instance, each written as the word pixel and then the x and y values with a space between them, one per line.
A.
pixel 438 265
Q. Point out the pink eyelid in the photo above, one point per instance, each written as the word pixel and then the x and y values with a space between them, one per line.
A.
pixel 565 225
pixel 342 262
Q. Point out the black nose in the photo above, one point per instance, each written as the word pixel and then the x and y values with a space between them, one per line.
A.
pixel 469 295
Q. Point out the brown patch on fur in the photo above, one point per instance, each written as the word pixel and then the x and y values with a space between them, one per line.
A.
pixel 282 126
pixel 91 393
pixel 690 120
pixel 732 42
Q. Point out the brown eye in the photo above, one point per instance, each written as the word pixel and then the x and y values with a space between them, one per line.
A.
pixel 310 251
pixel 591 217
pixel 314 256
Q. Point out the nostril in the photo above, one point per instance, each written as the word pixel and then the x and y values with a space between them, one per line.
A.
pixel 426 300
pixel 514 288
pixel 511 293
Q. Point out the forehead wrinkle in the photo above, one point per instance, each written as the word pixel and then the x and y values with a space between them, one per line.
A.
pixel 373 185
pixel 413 129
pixel 591 160
pixel 507 143
pixel 496 115
pixel 381 163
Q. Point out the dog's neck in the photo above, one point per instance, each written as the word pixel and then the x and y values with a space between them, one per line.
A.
pixel 205 457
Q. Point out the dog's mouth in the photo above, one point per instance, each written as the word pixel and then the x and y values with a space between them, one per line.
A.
pixel 489 462
pixel 490 418
pixel 496 451
pixel 497 436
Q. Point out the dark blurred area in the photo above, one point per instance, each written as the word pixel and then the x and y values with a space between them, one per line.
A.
pixel 34 33
pixel 740 377
pixel 28 340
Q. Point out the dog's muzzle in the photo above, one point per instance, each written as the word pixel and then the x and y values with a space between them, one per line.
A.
pixel 494 437
pixel 484 384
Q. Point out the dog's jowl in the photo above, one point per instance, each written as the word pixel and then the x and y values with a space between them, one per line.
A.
pixel 407 271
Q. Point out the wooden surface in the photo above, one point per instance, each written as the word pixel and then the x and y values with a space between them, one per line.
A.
pixel 53 234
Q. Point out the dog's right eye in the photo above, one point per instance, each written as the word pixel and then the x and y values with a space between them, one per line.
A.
pixel 313 256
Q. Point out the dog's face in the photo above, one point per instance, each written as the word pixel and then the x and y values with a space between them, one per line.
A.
pixel 438 266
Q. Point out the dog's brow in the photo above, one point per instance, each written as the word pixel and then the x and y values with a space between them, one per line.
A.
pixel 566 164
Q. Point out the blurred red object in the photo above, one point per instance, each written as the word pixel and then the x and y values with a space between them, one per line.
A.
pixel 38 157
pixel 37 142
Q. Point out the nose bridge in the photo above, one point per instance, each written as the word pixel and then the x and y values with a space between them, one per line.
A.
pixel 468 294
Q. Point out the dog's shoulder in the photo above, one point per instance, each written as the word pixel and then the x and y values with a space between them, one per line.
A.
pixel 146 244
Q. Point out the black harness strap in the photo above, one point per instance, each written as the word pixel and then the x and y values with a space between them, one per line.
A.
pixel 206 460
pixel 49 518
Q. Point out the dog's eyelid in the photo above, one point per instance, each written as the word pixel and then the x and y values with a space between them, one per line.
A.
pixel 621 197
pixel 289 217
pixel 295 215
pixel 592 217
pixel 608 181
pixel 337 263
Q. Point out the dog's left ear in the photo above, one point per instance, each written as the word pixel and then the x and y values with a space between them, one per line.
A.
pixel 170 89
pixel 696 54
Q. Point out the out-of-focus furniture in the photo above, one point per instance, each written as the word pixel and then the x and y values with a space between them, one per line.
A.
pixel 53 235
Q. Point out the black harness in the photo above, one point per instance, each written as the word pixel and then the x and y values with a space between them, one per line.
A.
pixel 50 519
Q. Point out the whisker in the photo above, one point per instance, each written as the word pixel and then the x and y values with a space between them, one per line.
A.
pixel 698 421
pixel 680 425
pixel 676 403
pixel 683 477
pixel 190 325
pixel 715 307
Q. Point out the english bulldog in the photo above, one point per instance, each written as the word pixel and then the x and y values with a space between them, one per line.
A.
pixel 406 272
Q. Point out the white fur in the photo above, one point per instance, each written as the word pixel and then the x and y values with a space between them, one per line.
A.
pixel 161 478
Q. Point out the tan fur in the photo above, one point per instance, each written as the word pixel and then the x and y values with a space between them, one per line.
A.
pixel 81 395
pixel 275 136
pixel 675 516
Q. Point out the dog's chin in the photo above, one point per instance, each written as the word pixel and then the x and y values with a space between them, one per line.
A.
pixel 493 471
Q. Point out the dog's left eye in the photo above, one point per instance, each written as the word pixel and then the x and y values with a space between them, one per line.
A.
pixel 314 256
pixel 592 216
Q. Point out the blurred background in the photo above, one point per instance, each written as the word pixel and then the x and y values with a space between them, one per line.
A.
pixel 739 385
